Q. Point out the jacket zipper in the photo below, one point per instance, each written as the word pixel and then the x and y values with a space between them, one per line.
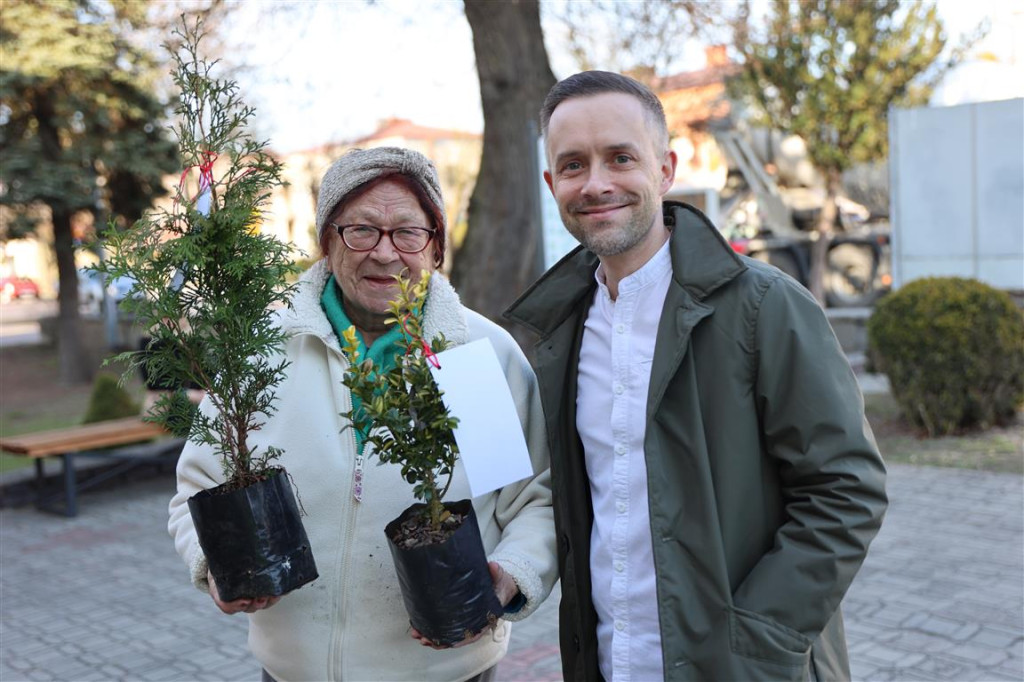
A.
pixel 339 606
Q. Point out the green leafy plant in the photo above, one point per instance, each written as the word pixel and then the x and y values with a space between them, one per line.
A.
pixel 953 350
pixel 206 280
pixel 109 400
pixel 401 410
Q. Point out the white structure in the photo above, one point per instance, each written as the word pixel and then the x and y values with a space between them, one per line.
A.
pixel 957 192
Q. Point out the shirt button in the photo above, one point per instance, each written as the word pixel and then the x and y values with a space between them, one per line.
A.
pixel 621 506
pixel 619 389
pixel 620 626
pixel 620 449
pixel 620 328
pixel 619 566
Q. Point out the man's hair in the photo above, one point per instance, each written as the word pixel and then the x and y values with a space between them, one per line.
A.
pixel 589 83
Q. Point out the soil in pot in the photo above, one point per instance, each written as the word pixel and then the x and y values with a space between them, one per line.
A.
pixel 253 538
pixel 446 585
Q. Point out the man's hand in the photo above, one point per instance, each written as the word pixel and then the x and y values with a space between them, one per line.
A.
pixel 239 605
pixel 504 587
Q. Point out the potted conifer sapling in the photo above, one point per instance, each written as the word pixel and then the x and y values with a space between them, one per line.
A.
pixel 206 284
pixel 436 546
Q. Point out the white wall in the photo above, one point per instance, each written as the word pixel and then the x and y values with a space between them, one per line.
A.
pixel 957 183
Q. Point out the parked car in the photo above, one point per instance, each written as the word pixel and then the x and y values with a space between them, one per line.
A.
pixel 13 287
pixel 90 290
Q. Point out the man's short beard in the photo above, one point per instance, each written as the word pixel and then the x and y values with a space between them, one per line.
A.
pixel 610 242
pixel 614 242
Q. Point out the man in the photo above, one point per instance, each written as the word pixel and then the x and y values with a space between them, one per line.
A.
pixel 715 483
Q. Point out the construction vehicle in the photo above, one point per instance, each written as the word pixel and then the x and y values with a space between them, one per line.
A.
pixel 764 222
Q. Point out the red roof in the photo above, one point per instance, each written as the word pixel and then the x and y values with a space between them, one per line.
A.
pixel 695 97
pixel 709 75
pixel 404 128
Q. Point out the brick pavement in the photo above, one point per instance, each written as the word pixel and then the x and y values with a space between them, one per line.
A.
pixel 105 597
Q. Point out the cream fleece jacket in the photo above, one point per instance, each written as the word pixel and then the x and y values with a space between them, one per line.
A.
pixel 350 623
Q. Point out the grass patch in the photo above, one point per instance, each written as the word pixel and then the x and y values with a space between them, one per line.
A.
pixel 32 399
pixel 996 449
pixel 13 462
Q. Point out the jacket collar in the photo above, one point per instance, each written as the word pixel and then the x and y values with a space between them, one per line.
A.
pixel 702 261
pixel 304 315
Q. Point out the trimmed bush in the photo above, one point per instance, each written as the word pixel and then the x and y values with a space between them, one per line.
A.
pixel 953 350
pixel 109 401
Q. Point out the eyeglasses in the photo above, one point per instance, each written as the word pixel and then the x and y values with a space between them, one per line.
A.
pixel 366 237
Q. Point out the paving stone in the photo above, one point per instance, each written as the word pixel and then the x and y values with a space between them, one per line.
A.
pixel 980 613
pixel 113 671
pixel 70 649
pixel 167 675
pixel 892 615
pixel 998 638
pixel 912 640
pixel 235 670
pixel 944 627
pixel 902 675
pixel 917 602
pixel 996 676
pixel 938 667
pixel 1011 668
pixel 16 663
pixel 980 655
pixel 890 657
pixel 860 669
pixel 69 670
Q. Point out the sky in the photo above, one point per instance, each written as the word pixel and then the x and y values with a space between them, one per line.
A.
pixel 330 71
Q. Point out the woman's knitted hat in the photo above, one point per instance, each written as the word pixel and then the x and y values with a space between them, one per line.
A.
pixel 359 166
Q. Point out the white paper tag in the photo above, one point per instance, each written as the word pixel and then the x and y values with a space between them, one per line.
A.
pixel 490 436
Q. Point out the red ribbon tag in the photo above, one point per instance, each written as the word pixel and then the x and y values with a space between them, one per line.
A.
pixel 205 175
pixel 206 170
pixel 428 353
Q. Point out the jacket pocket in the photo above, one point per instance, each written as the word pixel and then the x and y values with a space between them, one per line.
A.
pixel 752 635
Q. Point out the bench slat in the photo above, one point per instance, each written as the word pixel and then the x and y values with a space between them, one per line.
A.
pixel 86 437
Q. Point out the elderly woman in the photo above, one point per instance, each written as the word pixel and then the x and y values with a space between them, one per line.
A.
pixel 379 213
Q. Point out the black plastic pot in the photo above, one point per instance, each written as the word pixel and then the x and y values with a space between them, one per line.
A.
pixel 253 539
pixel 447 587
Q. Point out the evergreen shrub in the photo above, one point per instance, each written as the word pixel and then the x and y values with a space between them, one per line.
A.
pixel 109 400
pixel 953 350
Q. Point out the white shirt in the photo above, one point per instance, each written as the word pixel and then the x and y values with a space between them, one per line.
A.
pixel 611 414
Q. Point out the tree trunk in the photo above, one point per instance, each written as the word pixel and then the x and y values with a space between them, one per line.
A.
pixel 75 367
pixel 819 248
pixel 501 254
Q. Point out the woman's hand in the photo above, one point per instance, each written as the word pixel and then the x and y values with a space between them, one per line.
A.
pixel 239 605
pixel 504 587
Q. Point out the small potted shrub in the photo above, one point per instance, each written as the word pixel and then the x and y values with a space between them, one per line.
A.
pixel 436 546
pixel 206 284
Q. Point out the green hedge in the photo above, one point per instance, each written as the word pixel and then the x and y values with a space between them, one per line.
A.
pixel 109 401
pixel 953 350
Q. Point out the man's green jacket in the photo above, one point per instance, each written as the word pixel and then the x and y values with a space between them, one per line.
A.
pixel 765 483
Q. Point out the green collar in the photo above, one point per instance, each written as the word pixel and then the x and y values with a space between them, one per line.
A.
pixel 384 352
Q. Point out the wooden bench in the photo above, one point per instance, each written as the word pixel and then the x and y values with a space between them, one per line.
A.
pixel 129 441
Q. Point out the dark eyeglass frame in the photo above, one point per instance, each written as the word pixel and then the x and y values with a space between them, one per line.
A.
pixel 381 232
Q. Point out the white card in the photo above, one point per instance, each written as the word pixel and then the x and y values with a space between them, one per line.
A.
pixel 489 434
